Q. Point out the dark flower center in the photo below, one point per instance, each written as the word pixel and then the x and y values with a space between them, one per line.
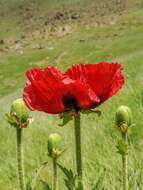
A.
pixel 70 103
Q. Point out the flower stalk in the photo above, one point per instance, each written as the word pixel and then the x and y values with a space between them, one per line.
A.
pixel 20 159
pixel 54 173
pixel 78 148
pixel 125 164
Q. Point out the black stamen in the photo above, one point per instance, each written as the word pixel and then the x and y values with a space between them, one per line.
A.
pixel 70 103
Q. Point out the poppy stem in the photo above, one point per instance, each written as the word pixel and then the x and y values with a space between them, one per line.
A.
pixel 125 164
pixel 20 159
pixel 54 173
pixel 78 149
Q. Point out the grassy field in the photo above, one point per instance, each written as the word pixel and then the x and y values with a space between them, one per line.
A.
pixel 119 40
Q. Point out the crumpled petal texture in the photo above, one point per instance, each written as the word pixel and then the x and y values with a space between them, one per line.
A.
pixel 88 84
pixel 104 78
pixel 46 88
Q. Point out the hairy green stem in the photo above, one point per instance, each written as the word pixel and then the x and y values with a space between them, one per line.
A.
pixel 125 164
pixel 54 173
pixel 20 159
pixel 78 149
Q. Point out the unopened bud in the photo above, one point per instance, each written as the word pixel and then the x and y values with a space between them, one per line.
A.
pixel 55 146
pixel 19 110
pixel 19 114
pixel 123 117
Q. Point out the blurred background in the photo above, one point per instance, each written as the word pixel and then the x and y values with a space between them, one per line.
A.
pixel 40 33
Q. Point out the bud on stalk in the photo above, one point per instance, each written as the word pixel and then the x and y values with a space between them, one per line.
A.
pixel 123 119
pixel 55 149
pixel 19 118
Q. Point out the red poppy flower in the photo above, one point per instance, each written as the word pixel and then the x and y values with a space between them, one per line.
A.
pixel 83 86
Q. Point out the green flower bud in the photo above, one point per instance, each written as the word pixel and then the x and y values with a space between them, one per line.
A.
pixel 123 117
pixel 19 110
pixel 55 145
pixel 19 115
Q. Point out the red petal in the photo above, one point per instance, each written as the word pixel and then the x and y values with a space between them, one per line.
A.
pixel 42 91
pixel 84 95
pixel 104 78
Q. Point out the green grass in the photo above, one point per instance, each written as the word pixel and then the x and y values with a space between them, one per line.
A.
pixel 121 42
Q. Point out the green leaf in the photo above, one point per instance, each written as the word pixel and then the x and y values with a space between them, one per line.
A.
pixel 31 184
pixel 70 180
pixel 11 120
pixel 97 111
pixel 66 117
pixel 122 147
pixel 80 186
